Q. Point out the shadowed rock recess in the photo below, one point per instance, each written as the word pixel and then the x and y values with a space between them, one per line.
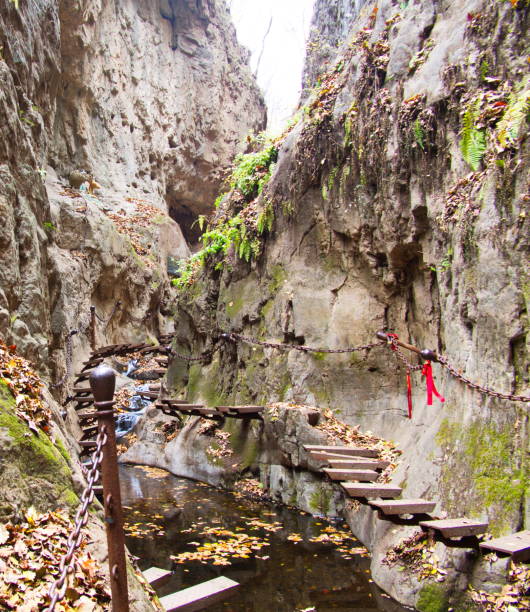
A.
pixel 397 199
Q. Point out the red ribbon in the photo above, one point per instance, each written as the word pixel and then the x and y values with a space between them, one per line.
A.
pixel 429 381
pixel 409 394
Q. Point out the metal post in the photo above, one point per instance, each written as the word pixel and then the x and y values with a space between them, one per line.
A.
pixel 93 328
pixel 102 383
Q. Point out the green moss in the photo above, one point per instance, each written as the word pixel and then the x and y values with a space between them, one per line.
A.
pixel 320 500
pixel 318 356
pixel 33 454
pixel 203 385
pixel 250 452
pixel 234 306
pixel 60 447
pixel 278 276
pixel 433 598
pixel 485 460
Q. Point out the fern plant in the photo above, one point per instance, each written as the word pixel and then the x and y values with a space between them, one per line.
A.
pixel 516 114
pixel 265 218
pixel 419 134
pixel 473 140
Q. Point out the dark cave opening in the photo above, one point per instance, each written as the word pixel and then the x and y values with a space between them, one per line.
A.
pixel 187 220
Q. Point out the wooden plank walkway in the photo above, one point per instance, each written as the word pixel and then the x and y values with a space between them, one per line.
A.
pixel 404 506
pixel 156 577
pixel 360 464
pixel 367 490
pixel 200 596
pixel 348 451
pixel 456 528
pixel 517 545
pixel 343 474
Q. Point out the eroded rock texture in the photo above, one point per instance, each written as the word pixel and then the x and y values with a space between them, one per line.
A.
pixel 152 99
pixel 380 223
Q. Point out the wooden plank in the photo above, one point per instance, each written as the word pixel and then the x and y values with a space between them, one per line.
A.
pixel 361 464
pixel 357 489
pixel 200 596
pixel 516 544
pixel 404 506
pixel 341 452
pixel 248 409
pixel 343 474
pixel 82 390
pixel 455 528
pixel 86 399
pixel 147 394
pixel 156 577
pixel 175 402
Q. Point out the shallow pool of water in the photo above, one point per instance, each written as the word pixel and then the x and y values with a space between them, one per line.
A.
pixel 279 556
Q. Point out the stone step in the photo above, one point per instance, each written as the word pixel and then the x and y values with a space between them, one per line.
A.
pixel 517 545
pixel 343 474
pixel 156 577
pixel 354 489
pixel 361 464
pixel 341 454
pixel 199 596
pixel 456 528
pixel 404 506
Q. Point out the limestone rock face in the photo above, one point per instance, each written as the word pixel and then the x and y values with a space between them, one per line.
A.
pixel 155 98
pixel 152 99
pixel 383 221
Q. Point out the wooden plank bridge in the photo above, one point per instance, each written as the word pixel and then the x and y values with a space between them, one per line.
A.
pixel 355 469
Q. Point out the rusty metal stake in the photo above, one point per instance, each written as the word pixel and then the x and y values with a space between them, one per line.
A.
pixel 102 383
pixel 425 353
pixel 93 328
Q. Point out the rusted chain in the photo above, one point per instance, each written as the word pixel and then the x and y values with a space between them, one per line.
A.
pixel 66 566
pixel 298 347
pixel 117 305
pixel 480 388
pixel 394 346
pixel 204 356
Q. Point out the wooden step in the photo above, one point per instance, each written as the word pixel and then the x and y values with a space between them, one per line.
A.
pixel 105 349
pixel 455 528
pixel 159 371
pixel 174 402
pixel 360 464
pixel 147 394
pixel 354 489
pixel 87 443
pixel 80 390
pixel 94 361
pixel 343 474
pixel 199 596
pixel 241 409
pixel 89 431
pixel 86 399
pixel 340 451
pixel 404 506
pixel 156 577
pixel 163 361
pixel 155 387
pixel 516 544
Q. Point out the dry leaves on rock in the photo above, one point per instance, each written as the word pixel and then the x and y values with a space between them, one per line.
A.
pixel 513 596
pixel 30 553
pixel 348 434
pixel 26 387
pixel 416 554
pixel 128 224
pixel 220 447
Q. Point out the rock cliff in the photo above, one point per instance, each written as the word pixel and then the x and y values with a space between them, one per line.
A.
pixel 398 202
pixel 153 100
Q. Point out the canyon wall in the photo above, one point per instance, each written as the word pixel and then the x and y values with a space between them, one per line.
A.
pixel 399 203
pixel 153 99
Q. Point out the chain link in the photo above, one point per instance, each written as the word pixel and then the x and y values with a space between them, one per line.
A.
pixel 299 347
pixel 480 388
pixel 66 566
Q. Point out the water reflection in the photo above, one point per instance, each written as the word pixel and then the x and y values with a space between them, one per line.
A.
pixel 168 513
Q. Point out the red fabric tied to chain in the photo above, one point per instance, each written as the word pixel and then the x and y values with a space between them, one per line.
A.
pixel 409 394
pixel 429 381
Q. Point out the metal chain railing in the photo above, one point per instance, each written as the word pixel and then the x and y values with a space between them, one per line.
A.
pixel 66 566
pixel 480 388
pixel 106 321
pixel 298 347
